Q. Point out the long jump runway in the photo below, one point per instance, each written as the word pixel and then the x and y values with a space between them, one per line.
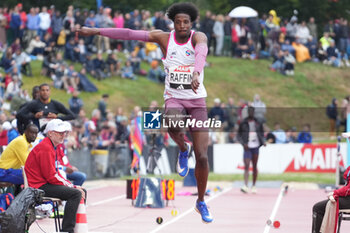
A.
pixel 108 210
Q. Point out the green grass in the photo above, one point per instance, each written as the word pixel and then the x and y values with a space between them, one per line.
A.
pixel 319 178
pixel 312 86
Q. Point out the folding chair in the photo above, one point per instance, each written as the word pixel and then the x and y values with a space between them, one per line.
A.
pixel 55 203
pixel 343 215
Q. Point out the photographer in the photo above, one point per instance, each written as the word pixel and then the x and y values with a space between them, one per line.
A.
pixel 45 109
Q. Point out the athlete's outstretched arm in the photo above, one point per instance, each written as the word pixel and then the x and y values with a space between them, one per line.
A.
pixel 124 34
pixel 200 53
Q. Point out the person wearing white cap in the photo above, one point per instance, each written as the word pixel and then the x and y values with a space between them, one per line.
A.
pixel 42 173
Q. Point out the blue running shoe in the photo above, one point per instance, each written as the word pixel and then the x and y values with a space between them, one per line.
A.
pixel 202 209
pixel 182 162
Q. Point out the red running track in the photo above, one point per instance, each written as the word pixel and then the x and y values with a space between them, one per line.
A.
pixel 233 211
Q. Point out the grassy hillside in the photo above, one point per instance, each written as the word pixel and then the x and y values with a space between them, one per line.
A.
pixel 314 85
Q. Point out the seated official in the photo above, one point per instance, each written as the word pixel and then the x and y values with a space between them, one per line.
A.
pixel 337 200
pixel 42 174
pixel 15 156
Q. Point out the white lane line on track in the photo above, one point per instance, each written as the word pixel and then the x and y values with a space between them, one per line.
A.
pixel 107 200
pixel 275 208
pixel 188 211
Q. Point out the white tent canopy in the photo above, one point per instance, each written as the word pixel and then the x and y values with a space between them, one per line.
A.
pixel 243 12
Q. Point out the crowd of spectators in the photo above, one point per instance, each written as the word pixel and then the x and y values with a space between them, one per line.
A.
pixel 106 129
pixel 50 36
pixel 292 42
pixel 286 41
pixel 42 33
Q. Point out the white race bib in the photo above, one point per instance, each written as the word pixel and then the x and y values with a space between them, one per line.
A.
pixel 253 140
pixel 180 77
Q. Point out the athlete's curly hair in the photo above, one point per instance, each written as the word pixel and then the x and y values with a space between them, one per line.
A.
pixel 185 8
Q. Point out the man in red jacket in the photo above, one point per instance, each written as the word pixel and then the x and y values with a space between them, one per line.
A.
pixel 43 174
pixel 341 196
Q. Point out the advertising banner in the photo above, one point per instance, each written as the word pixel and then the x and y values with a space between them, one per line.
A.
pixel 280 158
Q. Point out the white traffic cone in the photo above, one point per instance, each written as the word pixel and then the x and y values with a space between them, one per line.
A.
pixel 81 225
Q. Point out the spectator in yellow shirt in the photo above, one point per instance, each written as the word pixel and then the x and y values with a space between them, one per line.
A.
pixel 15 156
